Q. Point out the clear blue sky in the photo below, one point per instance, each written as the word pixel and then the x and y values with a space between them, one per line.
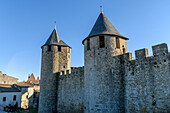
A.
pixel 25 25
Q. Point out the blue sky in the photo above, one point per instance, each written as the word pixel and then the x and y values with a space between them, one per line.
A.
pixel 25 25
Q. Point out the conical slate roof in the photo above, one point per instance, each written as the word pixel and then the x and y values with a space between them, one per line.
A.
pixel 54 39
pixel 103 27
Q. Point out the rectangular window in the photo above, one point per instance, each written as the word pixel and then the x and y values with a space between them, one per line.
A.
pixel 49 47
pixel 4 99
pixel 102 43
pixel 124 50
pixel 59 48
pixel 88 44
pixel 14 97
pixel 117 42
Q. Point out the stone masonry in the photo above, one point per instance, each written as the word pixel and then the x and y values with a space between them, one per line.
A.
pixel 110 80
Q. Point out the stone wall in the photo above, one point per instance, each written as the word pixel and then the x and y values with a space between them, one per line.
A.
pixel 5 79
pixel 120 84
pixel 53 61
pixel 112 84
pixel 27 97
pixel 147 81
pixel 71 91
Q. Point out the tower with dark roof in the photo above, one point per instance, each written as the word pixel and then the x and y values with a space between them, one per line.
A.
pixel 55 58
pixel 103 42
pixel 110 81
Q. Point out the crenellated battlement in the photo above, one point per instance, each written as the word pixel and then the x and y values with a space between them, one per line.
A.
pixel 141 54
pixel 71 72
pixel 159 50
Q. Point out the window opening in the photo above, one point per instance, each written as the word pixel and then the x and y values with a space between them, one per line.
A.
pixel 117 42
pixel 102 43
pixel 4 99
pixel 124 50
pixel 88 44
pixel 14 98
pixel 49 48
pixel 59 48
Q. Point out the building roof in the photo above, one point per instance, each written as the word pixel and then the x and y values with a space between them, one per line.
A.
pixel 38 79
pixel 31 78
pixel 103 27
pixel 8 88
pixel 54 39
pixel 4 75
pixel 24 84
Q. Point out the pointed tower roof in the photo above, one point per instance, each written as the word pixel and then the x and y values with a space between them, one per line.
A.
pixel 31 78
pixel 38 78
pixel 54 39
pixel 103 27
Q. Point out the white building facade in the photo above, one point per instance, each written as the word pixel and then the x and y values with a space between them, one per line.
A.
pixel 9 96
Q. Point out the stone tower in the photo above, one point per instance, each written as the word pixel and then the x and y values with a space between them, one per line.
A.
pixel 103 42
pixel 55 58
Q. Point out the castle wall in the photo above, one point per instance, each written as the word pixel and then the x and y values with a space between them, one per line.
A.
pixel 110 82
pixel 71 91
pixel 147 81
pixel 120 84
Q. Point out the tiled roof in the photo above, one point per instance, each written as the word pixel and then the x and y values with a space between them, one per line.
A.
pixel 24 84
pixel 3 75
pixel 38 78
pixel 31 78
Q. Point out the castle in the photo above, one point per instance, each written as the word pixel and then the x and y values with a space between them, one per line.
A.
pixel 110 80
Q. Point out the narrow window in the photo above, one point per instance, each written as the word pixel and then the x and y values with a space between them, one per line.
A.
pixel 102 43
pixel 14 97
pixel 117 42
pixel 4 99
pixel 59 48
pixel 88 44
pixel 124 50
pixel 49 47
